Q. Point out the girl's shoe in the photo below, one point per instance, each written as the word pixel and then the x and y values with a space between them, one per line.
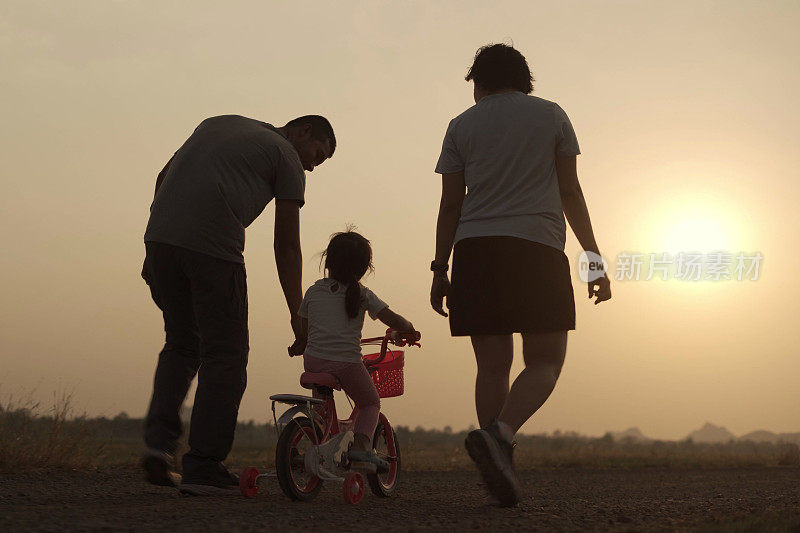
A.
pixel 366 462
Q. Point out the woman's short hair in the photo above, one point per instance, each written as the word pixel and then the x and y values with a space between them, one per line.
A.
pixel 500 66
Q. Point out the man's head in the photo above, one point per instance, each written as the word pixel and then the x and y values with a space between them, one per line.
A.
pixel 497 68
pixel 312 136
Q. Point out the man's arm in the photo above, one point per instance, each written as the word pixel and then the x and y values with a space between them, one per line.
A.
pixel 453 191
pixel 574 205
pixel 289 260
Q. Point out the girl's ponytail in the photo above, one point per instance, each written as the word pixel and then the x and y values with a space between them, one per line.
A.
pixel 352 298
pixel 347 259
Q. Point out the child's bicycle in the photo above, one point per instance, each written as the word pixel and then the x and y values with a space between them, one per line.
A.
pixel 313 443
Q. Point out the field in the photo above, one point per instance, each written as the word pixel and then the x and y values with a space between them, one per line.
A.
pixel 66 473
pixel 562 499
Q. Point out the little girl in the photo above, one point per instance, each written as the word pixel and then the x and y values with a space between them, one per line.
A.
pixel 335 308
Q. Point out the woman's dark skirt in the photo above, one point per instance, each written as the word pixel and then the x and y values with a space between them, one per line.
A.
pixel 504 285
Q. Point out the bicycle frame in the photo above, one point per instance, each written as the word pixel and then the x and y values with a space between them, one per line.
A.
pixel 325 414
pixel 330 437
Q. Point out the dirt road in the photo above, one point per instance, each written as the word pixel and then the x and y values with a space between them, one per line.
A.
pixel 562 499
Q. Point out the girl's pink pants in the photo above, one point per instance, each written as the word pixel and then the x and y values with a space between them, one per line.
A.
pixel 357 383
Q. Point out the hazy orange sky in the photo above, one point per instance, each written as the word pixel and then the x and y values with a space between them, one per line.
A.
pixel 686 112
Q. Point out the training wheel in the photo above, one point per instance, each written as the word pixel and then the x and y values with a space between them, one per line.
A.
pixel 353 487
pixel 247 482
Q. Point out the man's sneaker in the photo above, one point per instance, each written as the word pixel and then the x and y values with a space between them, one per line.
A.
pixel 493 456
pixel 217 481
pixel 159 468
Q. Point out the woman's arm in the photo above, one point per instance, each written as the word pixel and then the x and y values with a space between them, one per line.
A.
pixel 453 191
pixel 573 202
pixel 574 205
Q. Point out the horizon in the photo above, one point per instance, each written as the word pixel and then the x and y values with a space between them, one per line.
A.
pixel 688 124
pixel 186 410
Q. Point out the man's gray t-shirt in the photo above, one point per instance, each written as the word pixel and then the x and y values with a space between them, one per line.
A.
pixel 506 145
pixel 219 181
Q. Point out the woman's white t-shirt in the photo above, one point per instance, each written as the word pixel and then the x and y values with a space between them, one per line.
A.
pixel 506 145
pixel 333 335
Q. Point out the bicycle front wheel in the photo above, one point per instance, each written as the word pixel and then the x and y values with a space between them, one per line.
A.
pixel 385 442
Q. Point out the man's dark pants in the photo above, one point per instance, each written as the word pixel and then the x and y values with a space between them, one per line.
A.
pixel 204 302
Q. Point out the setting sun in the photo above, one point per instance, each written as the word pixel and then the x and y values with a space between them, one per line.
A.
pixel 695 225
pixel 700 232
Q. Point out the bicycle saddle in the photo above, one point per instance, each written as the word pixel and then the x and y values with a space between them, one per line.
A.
pixel 309 380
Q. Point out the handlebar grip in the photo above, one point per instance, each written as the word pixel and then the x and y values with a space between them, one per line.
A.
pixel 403 338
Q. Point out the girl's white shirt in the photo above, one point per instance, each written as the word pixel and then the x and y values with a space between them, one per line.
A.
pixel 333 335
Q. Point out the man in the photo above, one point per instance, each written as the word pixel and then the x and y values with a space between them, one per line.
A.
pixel 214 186
pixel 508 167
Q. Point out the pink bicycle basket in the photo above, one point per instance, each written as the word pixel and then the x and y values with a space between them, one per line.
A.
pixel 388 377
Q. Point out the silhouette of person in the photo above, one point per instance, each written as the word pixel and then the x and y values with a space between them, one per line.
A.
pixel 214 186
pixel 508 177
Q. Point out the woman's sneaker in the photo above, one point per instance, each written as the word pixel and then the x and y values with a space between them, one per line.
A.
pixel 211 482
pixel 159 468
pixel 493 456
pixel 366 462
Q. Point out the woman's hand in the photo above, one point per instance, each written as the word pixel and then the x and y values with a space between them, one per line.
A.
pixel 439 291
pixel 603 290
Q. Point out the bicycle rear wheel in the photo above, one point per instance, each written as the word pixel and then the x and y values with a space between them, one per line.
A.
pixel 293 443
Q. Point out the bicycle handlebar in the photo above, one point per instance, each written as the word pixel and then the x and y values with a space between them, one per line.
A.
pixel 395 337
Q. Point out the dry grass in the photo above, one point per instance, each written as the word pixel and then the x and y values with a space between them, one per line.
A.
pixel 435 450
pixel 788 454
pixel 31 437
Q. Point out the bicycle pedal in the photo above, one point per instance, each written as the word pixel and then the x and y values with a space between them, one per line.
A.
pixel 364 468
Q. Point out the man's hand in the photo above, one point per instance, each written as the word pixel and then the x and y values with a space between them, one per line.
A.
pixel 440 288
pixel 298 348
pixel 603 290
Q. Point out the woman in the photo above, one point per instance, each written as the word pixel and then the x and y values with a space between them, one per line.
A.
pixel 515 155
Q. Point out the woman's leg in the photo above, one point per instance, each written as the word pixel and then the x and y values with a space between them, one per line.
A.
pixel 544 356
pixel 493 354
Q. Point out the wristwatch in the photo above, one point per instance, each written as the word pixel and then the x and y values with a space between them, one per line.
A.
pixel 439 267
